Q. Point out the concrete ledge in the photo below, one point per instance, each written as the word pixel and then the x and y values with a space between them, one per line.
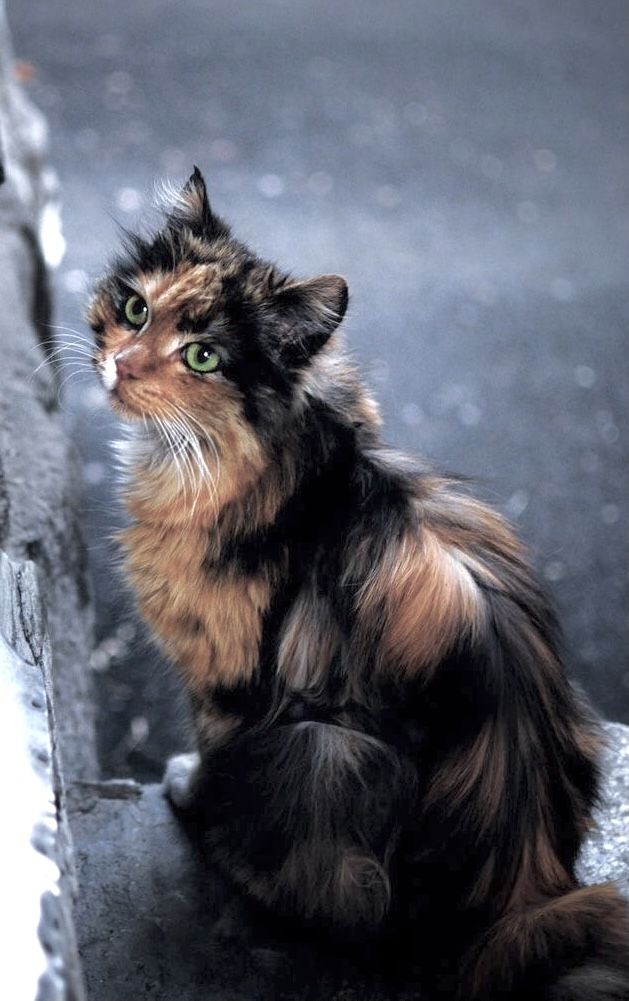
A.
pixel 164 924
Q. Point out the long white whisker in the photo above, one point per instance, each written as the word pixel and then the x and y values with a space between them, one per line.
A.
pixel 77 366
pixel 179 454
pixel 70 330
pixel 79 348
pixel 70 348
pixel 47 342
pixel 194 443
pixel 185 442
pixel 53 356
pixel 69 378
pixel 171 446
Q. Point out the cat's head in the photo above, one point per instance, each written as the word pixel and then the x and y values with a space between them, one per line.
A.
pixel 190 326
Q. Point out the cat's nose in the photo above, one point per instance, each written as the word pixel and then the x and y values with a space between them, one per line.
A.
pixel 127 366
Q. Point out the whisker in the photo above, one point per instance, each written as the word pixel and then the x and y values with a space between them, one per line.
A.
pixel 192 442
pixel 171 445
pixel 54 356
pixel 68 378
pixel 47 342
pixel 71 330
pixel 79 348
pixel 184 441
pixel 70 361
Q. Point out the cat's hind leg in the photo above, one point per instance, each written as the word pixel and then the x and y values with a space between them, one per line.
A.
pixel 311 818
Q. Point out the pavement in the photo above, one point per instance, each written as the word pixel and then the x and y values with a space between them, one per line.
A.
pixel 156 920
pixel 465 167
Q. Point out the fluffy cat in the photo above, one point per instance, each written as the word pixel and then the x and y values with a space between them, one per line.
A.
pixel 386 735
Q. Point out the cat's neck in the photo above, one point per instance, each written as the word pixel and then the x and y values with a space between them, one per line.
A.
pixel 234 491
pixel 188 486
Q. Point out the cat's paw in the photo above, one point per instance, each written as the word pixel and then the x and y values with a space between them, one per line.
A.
pixel 180 781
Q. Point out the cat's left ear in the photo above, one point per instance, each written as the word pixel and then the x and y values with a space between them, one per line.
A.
pixel 308 312
pixel 192 209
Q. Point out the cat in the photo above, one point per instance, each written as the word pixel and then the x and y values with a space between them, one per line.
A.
pixel 386 735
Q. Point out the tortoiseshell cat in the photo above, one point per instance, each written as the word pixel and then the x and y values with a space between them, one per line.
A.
pixel 386 734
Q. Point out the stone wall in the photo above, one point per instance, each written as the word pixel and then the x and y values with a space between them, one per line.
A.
pixel 40 493
pixel 46 706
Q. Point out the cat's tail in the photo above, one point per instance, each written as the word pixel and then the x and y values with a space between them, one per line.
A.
pixel 573 947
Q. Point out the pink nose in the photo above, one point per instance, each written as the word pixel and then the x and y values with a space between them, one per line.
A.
pixel 126 367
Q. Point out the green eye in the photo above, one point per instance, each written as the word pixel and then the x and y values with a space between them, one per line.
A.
pixel 200 358
pixel 136 311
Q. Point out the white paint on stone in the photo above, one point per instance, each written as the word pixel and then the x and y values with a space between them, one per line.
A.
pixel 39 960
pixel 28 798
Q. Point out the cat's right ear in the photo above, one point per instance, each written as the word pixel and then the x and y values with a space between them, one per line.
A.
pixel 306 315
pixel 192 210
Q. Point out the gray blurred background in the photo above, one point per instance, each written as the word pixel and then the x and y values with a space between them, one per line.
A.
pixel 464 164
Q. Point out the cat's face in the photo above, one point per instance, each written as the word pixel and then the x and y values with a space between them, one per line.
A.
pixel 192 329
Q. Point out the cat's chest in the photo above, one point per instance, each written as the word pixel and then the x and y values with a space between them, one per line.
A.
pixel 209 622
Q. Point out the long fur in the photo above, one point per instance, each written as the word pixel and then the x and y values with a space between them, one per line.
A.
pixel 386 732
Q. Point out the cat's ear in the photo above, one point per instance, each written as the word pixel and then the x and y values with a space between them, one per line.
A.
pixel 192 209
pixel 307 313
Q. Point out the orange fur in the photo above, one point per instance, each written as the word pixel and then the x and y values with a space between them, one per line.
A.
pixel 210 625
pixel 429 599
pixel 570 921
pixel 474 777
pixel 190 287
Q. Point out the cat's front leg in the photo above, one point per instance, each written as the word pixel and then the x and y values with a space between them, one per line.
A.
pixel 186 775
pixel 182 780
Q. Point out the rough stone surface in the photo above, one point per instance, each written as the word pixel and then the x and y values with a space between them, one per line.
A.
pixel 162 924
pixel 46 590
pixel 39 487
pixel 40 959
pixel 605 854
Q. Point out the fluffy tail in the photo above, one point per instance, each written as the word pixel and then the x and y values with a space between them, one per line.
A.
pixel 573 947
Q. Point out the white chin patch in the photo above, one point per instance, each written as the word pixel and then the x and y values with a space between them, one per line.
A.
pixel 108 373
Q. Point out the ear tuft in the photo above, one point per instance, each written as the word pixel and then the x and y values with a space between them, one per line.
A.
pixel 308 313
pixel 192 209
